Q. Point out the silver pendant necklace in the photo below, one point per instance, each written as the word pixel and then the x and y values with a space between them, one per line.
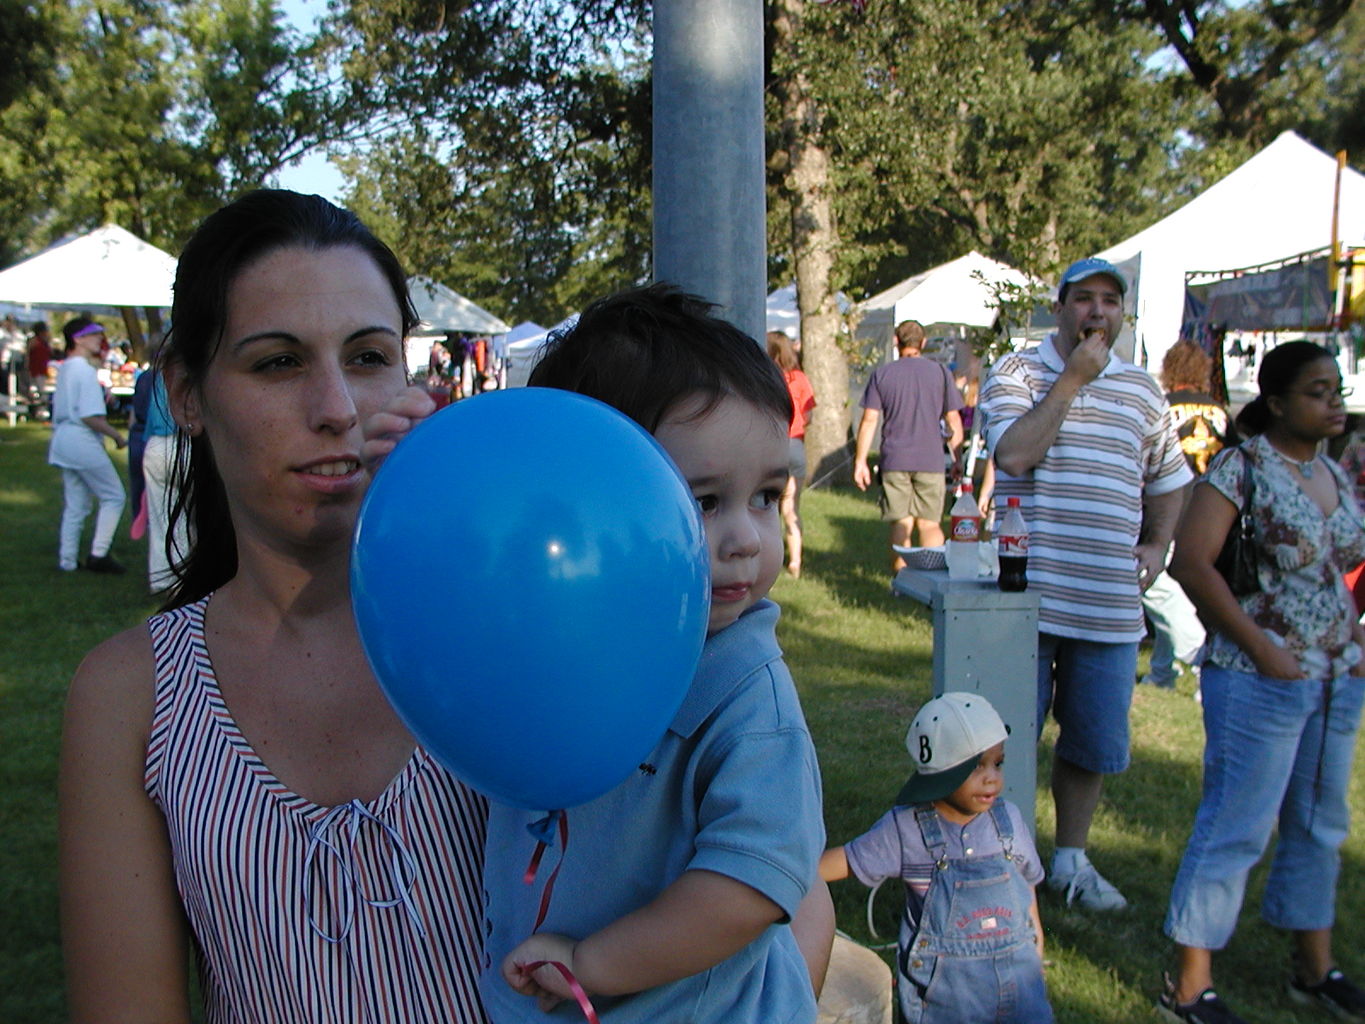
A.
pixel 1306 467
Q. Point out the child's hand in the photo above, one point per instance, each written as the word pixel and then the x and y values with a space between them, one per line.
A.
pixel 386 428
pixel 545 983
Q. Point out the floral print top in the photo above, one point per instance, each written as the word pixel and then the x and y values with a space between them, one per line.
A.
pixel 1352 459
pixel 1303 603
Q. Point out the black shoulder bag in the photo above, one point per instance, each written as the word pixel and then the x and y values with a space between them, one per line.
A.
pixel 1236 563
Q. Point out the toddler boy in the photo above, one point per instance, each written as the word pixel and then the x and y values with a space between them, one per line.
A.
pixel 970 943
pixel 672 895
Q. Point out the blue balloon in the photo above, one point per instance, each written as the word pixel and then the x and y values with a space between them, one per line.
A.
pixel 531 584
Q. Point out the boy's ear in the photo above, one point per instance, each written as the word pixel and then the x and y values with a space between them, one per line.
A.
pixel 184 399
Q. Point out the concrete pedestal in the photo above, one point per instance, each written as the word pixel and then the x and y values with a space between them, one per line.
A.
pixel 857 987
pixel 986 642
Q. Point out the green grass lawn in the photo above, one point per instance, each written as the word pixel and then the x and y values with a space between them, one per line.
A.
pixel 861 659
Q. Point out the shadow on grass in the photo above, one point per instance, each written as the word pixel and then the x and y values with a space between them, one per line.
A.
pixel 826 661
pixel 852 556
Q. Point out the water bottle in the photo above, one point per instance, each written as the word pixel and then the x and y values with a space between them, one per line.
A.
pixel 966 535
pixel 1012 539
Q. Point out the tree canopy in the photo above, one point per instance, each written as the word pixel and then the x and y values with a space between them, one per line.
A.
pixel 521 174
pixel 151 114
pixel 503 146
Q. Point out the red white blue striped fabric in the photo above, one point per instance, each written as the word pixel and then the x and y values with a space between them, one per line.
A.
pixel 366 912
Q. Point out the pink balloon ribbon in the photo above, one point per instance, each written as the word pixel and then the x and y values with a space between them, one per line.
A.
pixel 584 1004
pixel 534 866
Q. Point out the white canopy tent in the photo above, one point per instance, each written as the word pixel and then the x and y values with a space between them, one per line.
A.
pixel 523 330
pixel 22 312
pixel 956 292
pixel 101 271
pixel 443 310
pixel 522 355
pixel 781 312
pixel 1277 204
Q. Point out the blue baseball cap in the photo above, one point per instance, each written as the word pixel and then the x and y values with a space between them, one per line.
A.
pixel 1089 267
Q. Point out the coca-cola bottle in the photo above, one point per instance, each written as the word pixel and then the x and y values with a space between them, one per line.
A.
pixel 1012 540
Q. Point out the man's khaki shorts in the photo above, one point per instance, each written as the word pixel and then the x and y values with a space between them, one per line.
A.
pixel 912 496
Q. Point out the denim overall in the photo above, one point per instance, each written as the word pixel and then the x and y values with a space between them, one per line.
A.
pixel 972 959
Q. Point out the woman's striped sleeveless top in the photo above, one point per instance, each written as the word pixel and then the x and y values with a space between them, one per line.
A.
pixel 366 912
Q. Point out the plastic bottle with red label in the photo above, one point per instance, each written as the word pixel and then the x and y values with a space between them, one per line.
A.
pixel 1012 542
pixel 965 536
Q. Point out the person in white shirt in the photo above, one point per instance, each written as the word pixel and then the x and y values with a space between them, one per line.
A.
pixel 88 476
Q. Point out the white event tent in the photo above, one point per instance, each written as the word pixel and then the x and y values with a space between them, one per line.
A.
pixel 444 310
pixel 782 315
pixel 523 354
pixel 956 292
pixel 101 271
pixel 523 330
pixel 1276 205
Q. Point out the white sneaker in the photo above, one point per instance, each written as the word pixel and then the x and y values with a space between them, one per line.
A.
pixel 1088 888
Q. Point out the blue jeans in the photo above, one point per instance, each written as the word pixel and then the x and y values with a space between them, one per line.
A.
pixel 971 957
pixel 1089 687
pixel 1277 751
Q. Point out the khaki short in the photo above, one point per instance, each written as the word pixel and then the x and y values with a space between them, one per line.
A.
pixel 912 496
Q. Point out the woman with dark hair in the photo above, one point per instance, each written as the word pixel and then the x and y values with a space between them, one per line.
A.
pixel 1281 693
pixel 232 774
pixel 783 353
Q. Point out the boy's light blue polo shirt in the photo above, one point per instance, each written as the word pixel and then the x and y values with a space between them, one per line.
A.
pixel 733 787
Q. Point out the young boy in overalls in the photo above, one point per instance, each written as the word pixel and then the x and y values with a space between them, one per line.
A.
pixel 970 944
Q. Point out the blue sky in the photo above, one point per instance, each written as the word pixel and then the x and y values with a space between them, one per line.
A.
pixel 313 173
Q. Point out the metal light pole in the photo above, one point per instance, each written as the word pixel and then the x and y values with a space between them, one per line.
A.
pixel 709 215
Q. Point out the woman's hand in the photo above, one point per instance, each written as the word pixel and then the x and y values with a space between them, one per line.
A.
pixel 391 424
pixel 1278 663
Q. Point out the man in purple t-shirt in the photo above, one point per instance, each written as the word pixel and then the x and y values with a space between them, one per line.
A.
pixel 913 397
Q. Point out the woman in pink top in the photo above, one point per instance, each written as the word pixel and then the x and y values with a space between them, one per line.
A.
pixel 232 776
pixel 783 353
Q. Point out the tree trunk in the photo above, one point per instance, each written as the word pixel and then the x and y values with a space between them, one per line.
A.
pixel 815 240
pixel 134 328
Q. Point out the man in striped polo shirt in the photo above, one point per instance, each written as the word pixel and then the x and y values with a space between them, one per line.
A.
pixel 1085 440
